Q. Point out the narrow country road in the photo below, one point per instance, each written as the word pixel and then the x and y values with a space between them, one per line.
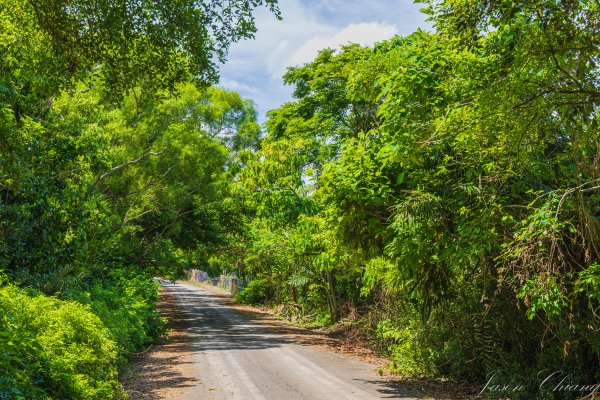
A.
pixel 238 358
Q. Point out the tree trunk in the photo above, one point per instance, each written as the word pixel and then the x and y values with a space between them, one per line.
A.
pixel 332 298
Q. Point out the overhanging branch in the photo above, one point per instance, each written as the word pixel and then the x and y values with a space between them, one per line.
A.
pixel 141 158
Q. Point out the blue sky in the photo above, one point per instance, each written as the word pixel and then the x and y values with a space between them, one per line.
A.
pixel 254 67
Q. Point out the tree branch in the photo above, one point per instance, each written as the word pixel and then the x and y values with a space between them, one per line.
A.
pixel 89 89
pixel 141 158
pixel 567 73
pixel 126 219
pixel 581 188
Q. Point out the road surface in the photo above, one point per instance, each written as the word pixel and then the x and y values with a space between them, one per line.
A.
pixel 238 358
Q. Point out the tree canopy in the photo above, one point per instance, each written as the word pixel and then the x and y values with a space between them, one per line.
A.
pixel 437 192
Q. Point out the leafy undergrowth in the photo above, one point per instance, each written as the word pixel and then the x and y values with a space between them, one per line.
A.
pixel 71 347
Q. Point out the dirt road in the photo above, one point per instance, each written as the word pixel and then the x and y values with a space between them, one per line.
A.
pixel 237 358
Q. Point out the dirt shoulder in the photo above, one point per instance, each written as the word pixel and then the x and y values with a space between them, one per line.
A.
pixel 165 369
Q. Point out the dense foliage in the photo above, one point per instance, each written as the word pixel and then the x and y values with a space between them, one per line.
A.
pixel 116 158
pixel 54 349
pixel 440 191
pixel 445 188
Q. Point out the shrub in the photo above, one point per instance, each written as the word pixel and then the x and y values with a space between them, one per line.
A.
pixel 52 348
pixel 259 291
pixel 125 303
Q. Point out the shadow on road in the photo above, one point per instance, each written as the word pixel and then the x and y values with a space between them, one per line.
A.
pixel 422 389
pixel 390 389
pixel 212 325
pixel 166 368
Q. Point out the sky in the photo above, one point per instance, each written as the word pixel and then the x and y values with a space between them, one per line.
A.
pixel 255 67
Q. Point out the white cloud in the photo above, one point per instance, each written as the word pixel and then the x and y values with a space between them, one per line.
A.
pixel 365 34
pixel 255 67
pixel 238 86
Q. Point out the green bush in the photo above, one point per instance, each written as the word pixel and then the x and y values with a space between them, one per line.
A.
pixel 402 345
pixel 257 292
pixel 52 348
pixel 125 302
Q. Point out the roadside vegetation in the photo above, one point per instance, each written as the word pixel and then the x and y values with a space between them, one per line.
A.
pixel 116 155
pixel 439 191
